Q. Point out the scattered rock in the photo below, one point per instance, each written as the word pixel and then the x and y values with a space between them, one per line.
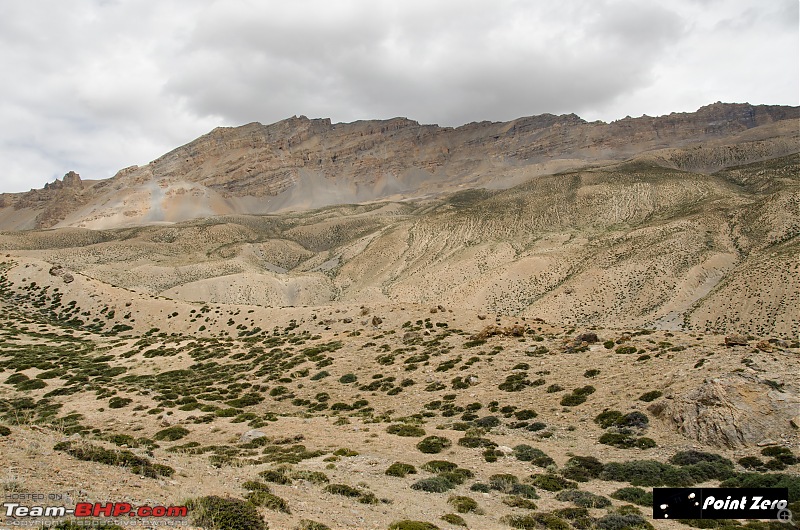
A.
pixel 736 340
pixel 481 317
pixel 588 337
pixel 377 321
pixel 764 346
pixel 251 435
pixel 68 278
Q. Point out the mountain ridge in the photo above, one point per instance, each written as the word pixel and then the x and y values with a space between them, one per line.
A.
pixel 301 163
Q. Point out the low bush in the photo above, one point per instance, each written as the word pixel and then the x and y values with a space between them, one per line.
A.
pixel 433 485
pixel 218 513
pixel 516 501
pixel 650 396
pixel 536 521
pixel 537 457
pixel 439 466
pixel 399 469
pixel 433 444
pixel 454 519
pixel 584 499
pixel 766 480
pixel 634 495
pixel 503 482
pixel 648 473
pixel 618 521
pixel 551 482
pixel 582 468
pixel 170 434
pixel 267 500
pixel 406 430
pixel 407 524
pixel 463 504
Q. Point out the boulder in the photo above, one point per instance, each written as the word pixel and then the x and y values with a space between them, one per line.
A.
pixel 736 340
pixel 734 411
pixel 251 435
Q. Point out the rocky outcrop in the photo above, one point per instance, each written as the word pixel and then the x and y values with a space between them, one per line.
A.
pixel 735 411
pixel 71 181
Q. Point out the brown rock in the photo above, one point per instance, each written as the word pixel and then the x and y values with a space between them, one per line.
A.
pixel 734 411
pixel 736 340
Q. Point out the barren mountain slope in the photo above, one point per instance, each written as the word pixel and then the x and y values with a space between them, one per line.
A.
pixel 635 244
pixel 299 164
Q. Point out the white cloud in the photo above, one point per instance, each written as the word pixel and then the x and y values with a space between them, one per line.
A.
pixel 95 86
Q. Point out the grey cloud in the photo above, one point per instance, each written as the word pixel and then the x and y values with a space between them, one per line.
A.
pixel 95 85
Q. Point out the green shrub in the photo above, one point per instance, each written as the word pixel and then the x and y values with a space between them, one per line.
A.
pixel 503 482
pixel 626 350
pixel 439 466
pixel 751 462
pixel 4 431
pixel 122 458
pixel 433 485
pixel 254 485
pixel 516 501
pixel 591 373
pixel 537 457
pixel 454 519
pixel 117 402
pixel 766 480
pixel 648 473
pixel 480 487
pixel 487 422
pixel 267 500
pixel 406 430
pixel 584 499
pixel 348 378
pixel 618 521
pixel 433 444
pixel 577 396
pixel 170 434
pixel 582 468
pixel 276 476
pixel 634 495
pixel 217 513
pixel 536 521
pixel 551 482
pixel 407 524
pixel 650 396
pixel 399 469
pixel 308 524
pixel 463 504
pixel 524 490
pixel 315 477
pixel 363 497
pixel 608 418
pixel 626 441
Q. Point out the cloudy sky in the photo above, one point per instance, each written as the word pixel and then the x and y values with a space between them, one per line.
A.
pixel 98 85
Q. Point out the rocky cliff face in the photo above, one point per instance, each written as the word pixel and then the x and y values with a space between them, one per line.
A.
pixel 302 163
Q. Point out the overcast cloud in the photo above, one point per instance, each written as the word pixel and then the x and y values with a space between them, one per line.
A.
pixel 98 85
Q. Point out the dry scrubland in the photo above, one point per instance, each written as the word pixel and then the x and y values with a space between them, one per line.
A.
pixel 422 369
pixel 532 357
